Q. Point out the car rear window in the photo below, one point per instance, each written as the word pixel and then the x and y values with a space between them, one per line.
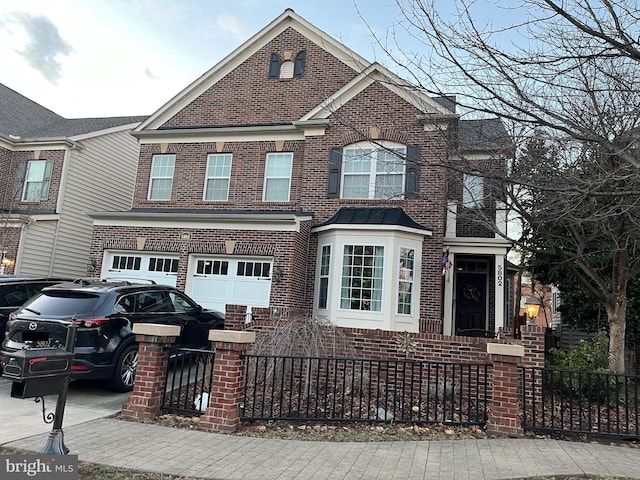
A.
pixel 64 303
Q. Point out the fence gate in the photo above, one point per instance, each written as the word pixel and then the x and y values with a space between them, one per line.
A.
pixel 188 383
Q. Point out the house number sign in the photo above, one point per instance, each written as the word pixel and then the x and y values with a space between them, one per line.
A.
pixel 500 275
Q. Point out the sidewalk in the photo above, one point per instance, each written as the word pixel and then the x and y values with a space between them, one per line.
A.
pixel 227 457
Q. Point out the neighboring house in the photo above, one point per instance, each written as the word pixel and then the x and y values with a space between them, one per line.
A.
pixel 55 170
pixel 297 175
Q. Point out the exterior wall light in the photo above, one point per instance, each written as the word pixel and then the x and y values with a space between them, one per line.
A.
pixel 532 306
pixel 277 274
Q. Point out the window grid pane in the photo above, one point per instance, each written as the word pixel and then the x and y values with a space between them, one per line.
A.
pixel 161 181
pixel 325 263
pixel 373 172
pixel 37 180
pixel 278 177
pixel 218 174
pixel 405 280
pixel 362 275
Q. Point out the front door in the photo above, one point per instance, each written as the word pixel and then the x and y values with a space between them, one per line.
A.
pixel 471 301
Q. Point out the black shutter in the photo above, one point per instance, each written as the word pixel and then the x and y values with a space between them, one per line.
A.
pixel 298 66
pixel 20 178
pixel 411 178
pixel 335 171
pixel 274 66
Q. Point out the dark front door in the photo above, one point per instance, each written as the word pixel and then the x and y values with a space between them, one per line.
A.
pixel 471 301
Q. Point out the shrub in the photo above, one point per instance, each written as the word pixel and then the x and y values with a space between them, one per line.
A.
pixel 582 371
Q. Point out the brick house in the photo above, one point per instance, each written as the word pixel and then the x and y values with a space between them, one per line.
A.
pixel 298 176
pixel 54 170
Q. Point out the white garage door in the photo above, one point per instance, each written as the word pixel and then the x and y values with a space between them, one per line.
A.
pixel 218 281
pixel 162 269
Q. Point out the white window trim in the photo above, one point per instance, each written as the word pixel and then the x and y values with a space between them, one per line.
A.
pixel 385 270
pixel 152 178
pixel 373 174
pixel 267 177
pixel 327 275
pixel 410 281
pixel 387 318
pixel 207 177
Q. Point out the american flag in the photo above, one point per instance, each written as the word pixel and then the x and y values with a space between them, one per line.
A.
pixel 446 263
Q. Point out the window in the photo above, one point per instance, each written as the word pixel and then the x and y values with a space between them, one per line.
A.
pixel 37 180
pixel 472 191
pixel 362 275
pixel 325 263
pixel 217 181
pixel 254 269
pixel 555 302
pixel 405 280
pixel 212 267
pixel 165 265
pixel 278 177
pixel 121 262
pixel 371 171
pixel 161 181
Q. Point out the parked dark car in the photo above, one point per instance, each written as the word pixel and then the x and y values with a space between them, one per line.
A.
pixel 15 290
pixel 105 345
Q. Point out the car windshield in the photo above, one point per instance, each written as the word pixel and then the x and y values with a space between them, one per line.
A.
pixel 64 303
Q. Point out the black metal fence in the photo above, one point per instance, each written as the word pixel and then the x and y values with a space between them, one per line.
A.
pixel 347 390
pixel 599 404
pixel 188 384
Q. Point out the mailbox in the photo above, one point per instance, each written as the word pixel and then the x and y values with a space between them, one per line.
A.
pixel 37 372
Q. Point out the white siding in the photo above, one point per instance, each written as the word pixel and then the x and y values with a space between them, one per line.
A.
pixel 100 177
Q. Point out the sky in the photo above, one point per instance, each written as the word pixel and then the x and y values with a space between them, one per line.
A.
pixel 102 58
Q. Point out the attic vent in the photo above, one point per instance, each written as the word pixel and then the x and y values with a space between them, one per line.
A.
pixel 287 68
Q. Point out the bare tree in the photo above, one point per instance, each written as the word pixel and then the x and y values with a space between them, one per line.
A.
pixel 567 71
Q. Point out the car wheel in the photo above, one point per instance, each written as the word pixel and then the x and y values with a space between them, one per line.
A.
pixel 125 371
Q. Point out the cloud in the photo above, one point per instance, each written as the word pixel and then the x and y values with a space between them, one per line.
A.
pixel 231 24
pixel 149 74
pixel 43 46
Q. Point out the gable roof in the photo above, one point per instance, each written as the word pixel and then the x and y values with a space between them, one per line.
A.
pixel 366 72
pixel 23 120
pixel 376 72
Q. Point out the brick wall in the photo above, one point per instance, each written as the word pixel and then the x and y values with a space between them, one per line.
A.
pixel 380 344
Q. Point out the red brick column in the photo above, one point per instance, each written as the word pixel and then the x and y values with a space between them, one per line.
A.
pixel 151 373
pixel 532 337
pixel 504 409
pixel 227 387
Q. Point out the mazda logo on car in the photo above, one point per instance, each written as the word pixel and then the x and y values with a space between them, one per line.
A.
pixel 33 326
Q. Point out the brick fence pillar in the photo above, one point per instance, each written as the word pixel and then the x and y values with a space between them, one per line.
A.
pixel 533 342
pixel 151 373
pixel 227 387
pixel 504 409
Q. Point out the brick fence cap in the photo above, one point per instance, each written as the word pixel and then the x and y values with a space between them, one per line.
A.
pixel 505 349
pixel 156 329
pixel 232 336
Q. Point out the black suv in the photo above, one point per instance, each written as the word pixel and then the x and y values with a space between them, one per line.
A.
pixel 106 311
pixel 15 290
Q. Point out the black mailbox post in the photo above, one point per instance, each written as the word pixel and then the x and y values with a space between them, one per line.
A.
pixel 37 372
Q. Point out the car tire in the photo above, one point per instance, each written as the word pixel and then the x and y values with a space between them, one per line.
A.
pixel 125 369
